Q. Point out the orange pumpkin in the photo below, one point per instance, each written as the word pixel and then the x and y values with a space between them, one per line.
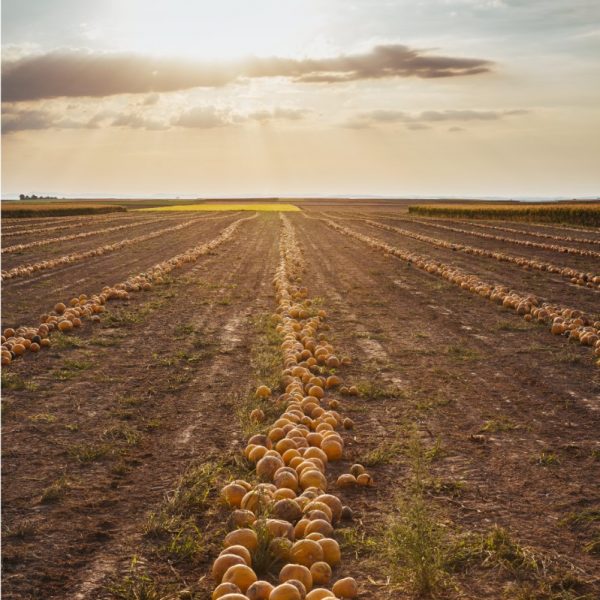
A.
pixel 345 588
pixel 241 575
pixel 306 552
pixel 298 572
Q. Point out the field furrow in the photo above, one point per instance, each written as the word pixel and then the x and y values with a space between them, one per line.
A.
pixel 370 409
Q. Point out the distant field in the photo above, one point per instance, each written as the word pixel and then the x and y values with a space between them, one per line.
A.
pixel 50 209
pixel 219 207
pixel 576 213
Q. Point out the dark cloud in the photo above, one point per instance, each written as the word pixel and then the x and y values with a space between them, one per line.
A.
pixel 84 73
pixel 25 120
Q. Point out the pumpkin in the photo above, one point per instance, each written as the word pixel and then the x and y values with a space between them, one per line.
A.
pixel 256 453
pixel 65 325
pixel 285 591
pixel 321 572
pixel 300 527
pixel 19 349
pixel 319 526
pixel 256 501
pixel 288 455
pixel 286 477
pixel 334 503
pixel 319 594
pixel 287 509
pixel 242 537
pixel 298 572
pixel 345 588
pixel 275 434
pixel 321 508
pixel 332 448
pixel 364 479
pixel 261 440
pixel 331 551
pixel 267 466
pixel 241 518
pixel 313 452
pixel 259 590
pixel 225 588
pixel 241 551
pixel 299 586
pixel 263 392
pixel 224 562
pixel 357 469
pixel 346 480
pixel 316 391
pixel 280 528
pixel 313 478
pixel 233 494
pixel 306 552
pixel 241 575
pixel 283 493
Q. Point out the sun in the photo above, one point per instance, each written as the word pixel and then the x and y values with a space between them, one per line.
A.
pixel 214 30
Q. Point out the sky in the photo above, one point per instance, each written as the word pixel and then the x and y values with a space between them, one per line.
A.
pixel 452 98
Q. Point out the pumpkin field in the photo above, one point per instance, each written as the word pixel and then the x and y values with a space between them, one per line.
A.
pixel 303 401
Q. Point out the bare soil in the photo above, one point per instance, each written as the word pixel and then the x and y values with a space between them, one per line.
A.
pixel 112 417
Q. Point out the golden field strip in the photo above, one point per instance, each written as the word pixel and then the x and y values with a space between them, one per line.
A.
pixel 222 207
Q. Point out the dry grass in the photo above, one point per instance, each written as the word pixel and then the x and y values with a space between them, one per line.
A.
pixel 578 213
pixel 56 209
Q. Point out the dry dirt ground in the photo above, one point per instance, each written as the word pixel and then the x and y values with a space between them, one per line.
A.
pixel 479 429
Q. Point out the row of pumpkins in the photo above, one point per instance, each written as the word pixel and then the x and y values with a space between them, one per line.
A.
pixel 53 263
pixel 72 236
pixel 16 342
pixel 48 224
pixel 499 238
pixel 575 324
pixel 559 238
pixel 576 277
pixel 289 512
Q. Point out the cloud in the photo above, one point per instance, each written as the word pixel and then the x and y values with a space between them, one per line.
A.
pixel 64 73
pixel 279 113
pixel 137 116
pixel 420 120
pixel 25 120
pixel 138 121
pixel 201 117
pixel 151 99
pixel 417 126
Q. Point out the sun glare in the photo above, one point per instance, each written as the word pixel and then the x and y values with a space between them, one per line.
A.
pixel 219 30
